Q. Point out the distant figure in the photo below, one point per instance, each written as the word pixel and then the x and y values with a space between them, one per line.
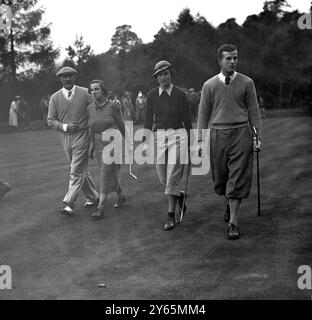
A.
pixel 194 102
pixel 128 108
pixel 262 105
pixel 4 188
pixel 140 107
pixel 24 113
pixel 44 107
pixel 14 112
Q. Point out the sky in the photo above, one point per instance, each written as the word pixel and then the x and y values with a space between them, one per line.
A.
pixel 96 20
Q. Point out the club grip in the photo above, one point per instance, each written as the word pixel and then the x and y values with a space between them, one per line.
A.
pixel 255 131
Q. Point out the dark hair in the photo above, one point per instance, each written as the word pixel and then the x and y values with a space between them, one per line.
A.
pixel 225 47
pixel 102 86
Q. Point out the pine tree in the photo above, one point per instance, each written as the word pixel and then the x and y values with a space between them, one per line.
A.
pixel 27 47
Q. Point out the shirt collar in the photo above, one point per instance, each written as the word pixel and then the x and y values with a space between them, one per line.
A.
pixel 65 91
pixel 222 76
pixel 100 106
pixel 169 90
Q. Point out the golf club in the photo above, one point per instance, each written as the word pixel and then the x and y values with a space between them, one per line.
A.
pixel 256 137
pixel 131 174
pixel 186 185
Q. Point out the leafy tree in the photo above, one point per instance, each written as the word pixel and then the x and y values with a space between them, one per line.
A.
pixel 124 39
pixel 81 58
pixel 27 48
pixel 79 53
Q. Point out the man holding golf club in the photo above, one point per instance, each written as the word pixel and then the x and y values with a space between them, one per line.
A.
pixel 167 108
pixel 229 104
pixel 68 114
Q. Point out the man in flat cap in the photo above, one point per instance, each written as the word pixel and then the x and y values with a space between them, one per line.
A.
pixel 170 108
pixel 68 114
pixel 229 103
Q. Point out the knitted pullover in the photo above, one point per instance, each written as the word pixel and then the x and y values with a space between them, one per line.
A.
pixel 170 111
pixel 62 111
pixel 228 107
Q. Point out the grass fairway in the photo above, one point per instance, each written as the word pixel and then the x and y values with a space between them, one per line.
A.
pixel 56 257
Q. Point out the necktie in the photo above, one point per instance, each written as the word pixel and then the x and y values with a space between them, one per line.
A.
pixel 69 94
pixel 227 80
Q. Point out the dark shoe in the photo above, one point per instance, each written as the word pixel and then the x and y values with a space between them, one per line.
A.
pixel 170 224
pixel 91 204
pixel 232 232
pixel 97 215
pixel 227 214
pixel 120 200
pixel 67 211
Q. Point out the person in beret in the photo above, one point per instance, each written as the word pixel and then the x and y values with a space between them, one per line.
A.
pixel 168 115
pixel 4 188
pixel 68 114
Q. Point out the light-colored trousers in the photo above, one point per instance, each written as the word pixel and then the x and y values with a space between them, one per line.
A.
pixel 171 146
pixel 76 147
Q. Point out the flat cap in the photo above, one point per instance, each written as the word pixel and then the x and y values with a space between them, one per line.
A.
pixel 66 70
pixel 161 66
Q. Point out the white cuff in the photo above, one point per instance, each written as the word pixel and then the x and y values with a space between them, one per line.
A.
pixel 65 127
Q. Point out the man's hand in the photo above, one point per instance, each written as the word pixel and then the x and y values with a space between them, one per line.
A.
pixel 91 151
pixel 256 145
pixel 72 127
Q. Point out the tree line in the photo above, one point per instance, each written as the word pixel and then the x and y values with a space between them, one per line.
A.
pixel 272 50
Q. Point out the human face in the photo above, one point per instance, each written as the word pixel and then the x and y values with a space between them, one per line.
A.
pixel 96 92
pixel 228 63
pixel 164 79
pixel 68 81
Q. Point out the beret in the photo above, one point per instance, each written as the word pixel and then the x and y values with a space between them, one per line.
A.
pixel 161 66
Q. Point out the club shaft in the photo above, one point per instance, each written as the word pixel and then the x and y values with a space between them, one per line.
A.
pixel 186 185
pixel 258 187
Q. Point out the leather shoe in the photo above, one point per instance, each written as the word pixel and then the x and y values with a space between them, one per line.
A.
pixel 171 222
pixel 97 215
pixel 227 214
pixel 120 200
pixel 232 232
pixel 91 204
pixel 67 211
